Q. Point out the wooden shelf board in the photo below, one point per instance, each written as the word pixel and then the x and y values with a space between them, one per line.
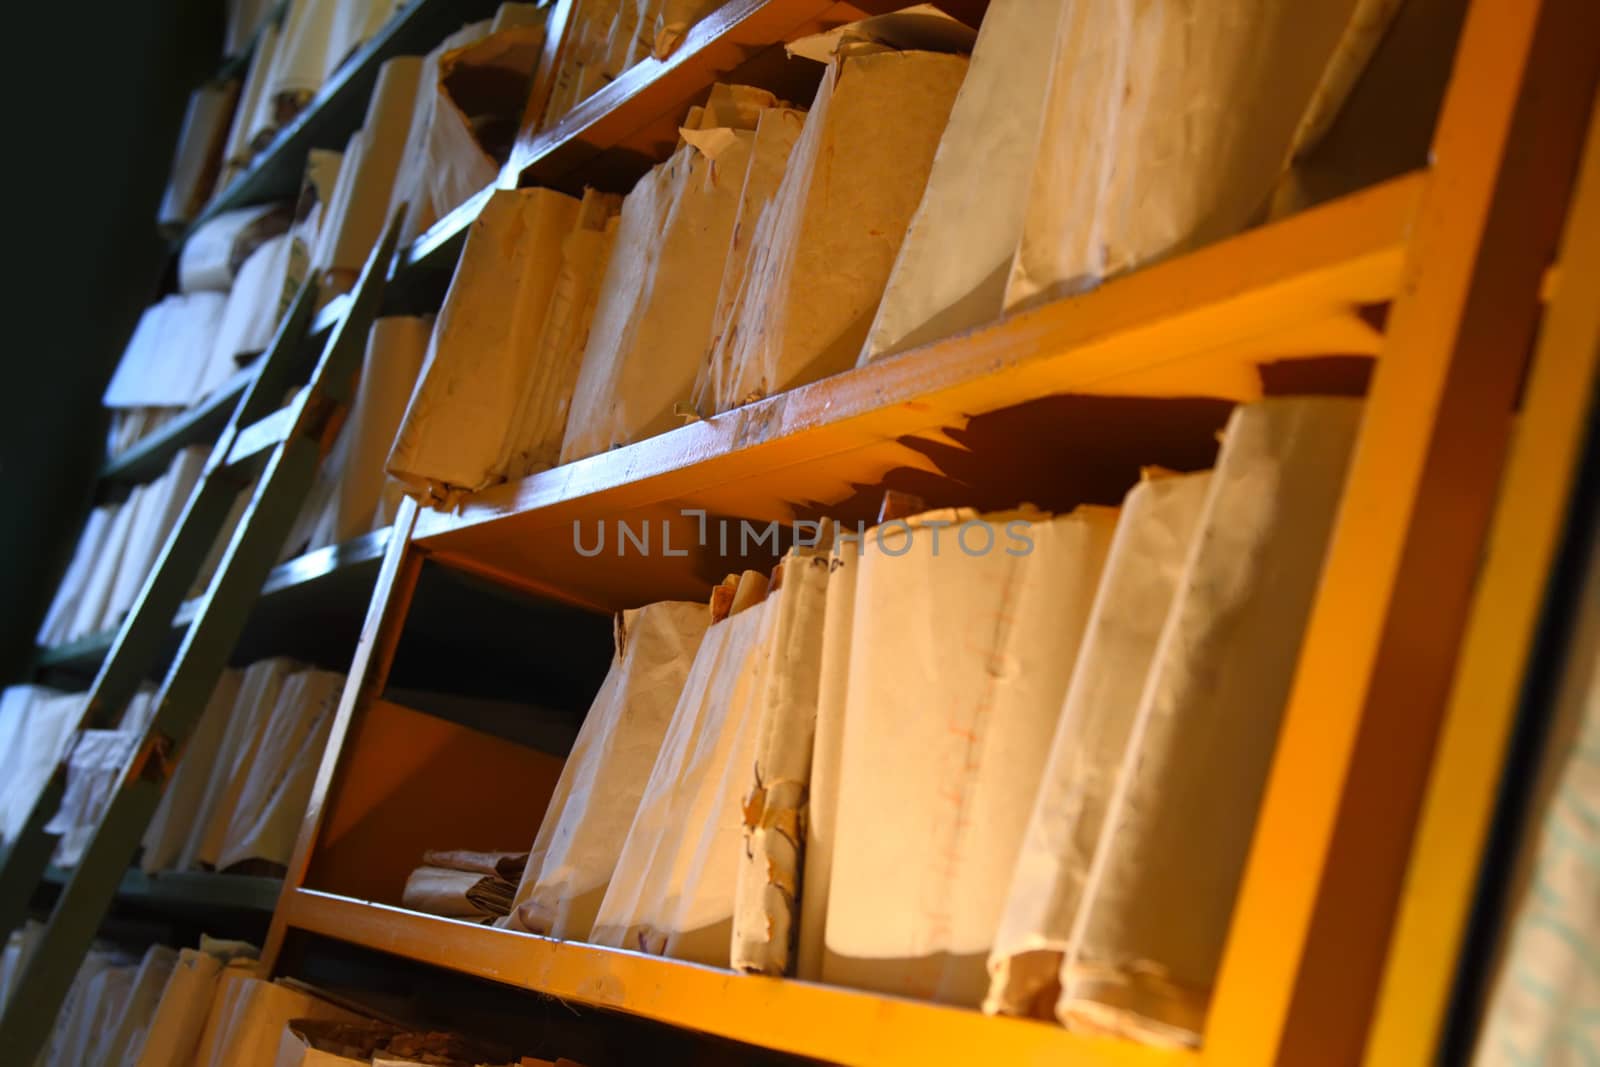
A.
pixel 1201 325
pixel 802 1018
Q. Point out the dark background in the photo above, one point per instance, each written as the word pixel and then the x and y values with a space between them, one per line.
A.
pixel 94 95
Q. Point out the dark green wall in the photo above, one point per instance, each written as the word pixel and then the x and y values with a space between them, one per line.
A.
pixel 95 95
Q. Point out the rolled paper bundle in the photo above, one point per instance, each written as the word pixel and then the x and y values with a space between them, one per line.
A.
pixel 301 61
pixel 766 917
pixel 653 323
pixel 478 365
pixel 1132 169
pixel 1160 885
pixel 597 796
pixel 267 808
pixel 941 763
pixel 506 865
pixel 358 209
pixel 198 158
pixel 534 441
pixel 827 244
pixel 212 255
pixel 673 889
pixel 1141 576
pixel 950 274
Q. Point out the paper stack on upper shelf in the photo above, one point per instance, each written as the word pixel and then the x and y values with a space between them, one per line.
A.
pixel 606 37
pixel 653 321
pixel 462 884
pixel 823 248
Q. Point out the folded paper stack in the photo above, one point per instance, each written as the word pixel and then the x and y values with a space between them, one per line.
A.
pixel 463 884
pixel 823 248
pixel 575 854
pixel 484 357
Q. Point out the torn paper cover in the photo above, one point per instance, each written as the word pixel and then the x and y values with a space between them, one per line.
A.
pixel 1159 891
pixel 480 357
pixel 93 770
pixel 950 274
pixel 672 893
pixel 814 279
pixel 652 325
pixel 198 157
pixel 1131 168
pixel 1136 590
pixel 477 85
pixel 959 667
pixel 575 853
pixel 766 913
pixel 533 442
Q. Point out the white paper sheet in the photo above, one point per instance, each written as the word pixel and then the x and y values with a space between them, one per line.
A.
pixel 212 255
pixel 179 811
pixel 37 725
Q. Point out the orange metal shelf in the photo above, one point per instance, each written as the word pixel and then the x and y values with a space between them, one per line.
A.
pixel 803 1018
